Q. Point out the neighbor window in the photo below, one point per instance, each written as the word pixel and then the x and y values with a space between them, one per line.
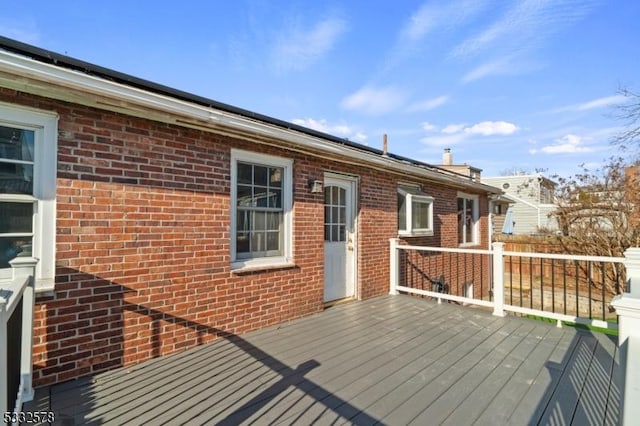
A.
pixel 261 196
pixel 467 219
pixel 415 211
pixel 28 146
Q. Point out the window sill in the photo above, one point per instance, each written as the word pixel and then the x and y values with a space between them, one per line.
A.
pixel 45 287
pixel 243 269
pixel 467 245
pixel 416 234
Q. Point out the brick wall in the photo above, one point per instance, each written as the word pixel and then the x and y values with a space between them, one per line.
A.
pixel 143 262
pixel 458 270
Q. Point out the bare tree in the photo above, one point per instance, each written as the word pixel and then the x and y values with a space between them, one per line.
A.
pixel 629 113
pixel 598 213
pixel 515 171
pixel 599 210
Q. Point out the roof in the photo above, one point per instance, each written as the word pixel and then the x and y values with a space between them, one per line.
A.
pixel 512 178
pixel 22 61
pixel 502 198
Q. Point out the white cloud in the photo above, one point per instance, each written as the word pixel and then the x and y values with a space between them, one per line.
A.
pixel 429 104
pixel 434 15
pixel 297 49
pixel 375 100
pixel 508 40
pixel 592 104
pixel 506 65
pixel 342 130
pixel 428 127
pixel 525 25
pixel 360 137
pixel 601 102
pixel 484 128
pixel 568 144
pixel 484 70
pixel 453 134
pixel 489 128
pixel 453 128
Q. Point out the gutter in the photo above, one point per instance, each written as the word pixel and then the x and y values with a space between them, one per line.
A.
pixel 23 61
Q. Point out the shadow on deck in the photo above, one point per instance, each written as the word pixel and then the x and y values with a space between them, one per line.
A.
pixel 391 360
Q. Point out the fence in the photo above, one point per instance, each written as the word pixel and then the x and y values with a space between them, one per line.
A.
pixel 577 289
pixel 16 334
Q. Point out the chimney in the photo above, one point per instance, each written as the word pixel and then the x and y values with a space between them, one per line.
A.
pixel 447 158
pixel 384 144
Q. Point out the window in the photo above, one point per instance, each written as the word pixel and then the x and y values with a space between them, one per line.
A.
pixel 415 211
pixel 335 214
pixel 467 219
pixel 28 147
pixel 546 193
pixel 261 196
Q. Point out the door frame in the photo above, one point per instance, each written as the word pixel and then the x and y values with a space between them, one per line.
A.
pixel 353 182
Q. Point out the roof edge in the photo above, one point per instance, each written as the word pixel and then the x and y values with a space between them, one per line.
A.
pixel 78 67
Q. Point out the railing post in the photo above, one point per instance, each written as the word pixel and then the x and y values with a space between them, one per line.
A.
pixel 627 306
pixel 498 279
pixel 394 262
pixel 25 268
pixel 3 355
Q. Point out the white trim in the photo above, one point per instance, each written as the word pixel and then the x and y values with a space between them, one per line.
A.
pixel 152 105
pixel 45 125
pixel 476 218
pixel 286 259
pixel 409 200
pixel 353 182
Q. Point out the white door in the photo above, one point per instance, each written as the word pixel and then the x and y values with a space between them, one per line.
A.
pixel 339 237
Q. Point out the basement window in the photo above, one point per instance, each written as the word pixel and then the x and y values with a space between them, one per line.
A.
pixel 415 211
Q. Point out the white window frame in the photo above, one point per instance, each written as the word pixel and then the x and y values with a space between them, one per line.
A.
pixel 475 232
pixel 286 164
pixel 413 194
pixel 45 126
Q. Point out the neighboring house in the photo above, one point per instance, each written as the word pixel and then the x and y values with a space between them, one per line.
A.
pixel 162 220
pixel 464 169
pixel 533 197
pixel 500 217
pixel 498 203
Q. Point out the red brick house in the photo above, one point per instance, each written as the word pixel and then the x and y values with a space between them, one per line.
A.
pixel 162 220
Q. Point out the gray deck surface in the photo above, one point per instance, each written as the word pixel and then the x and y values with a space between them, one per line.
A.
pixel 392 360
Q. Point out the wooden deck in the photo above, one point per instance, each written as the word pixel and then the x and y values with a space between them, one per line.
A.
pixel 392 360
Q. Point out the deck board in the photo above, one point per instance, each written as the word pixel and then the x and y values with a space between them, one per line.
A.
pixel 390 360
pixel 480 385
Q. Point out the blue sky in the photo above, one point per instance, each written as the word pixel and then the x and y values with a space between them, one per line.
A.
pixel 506 84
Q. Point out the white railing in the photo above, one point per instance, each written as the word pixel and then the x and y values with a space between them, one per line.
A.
pixel 604 295
pixel 467 298
pixel 16 320
pixel 486 278
pixel 626 305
